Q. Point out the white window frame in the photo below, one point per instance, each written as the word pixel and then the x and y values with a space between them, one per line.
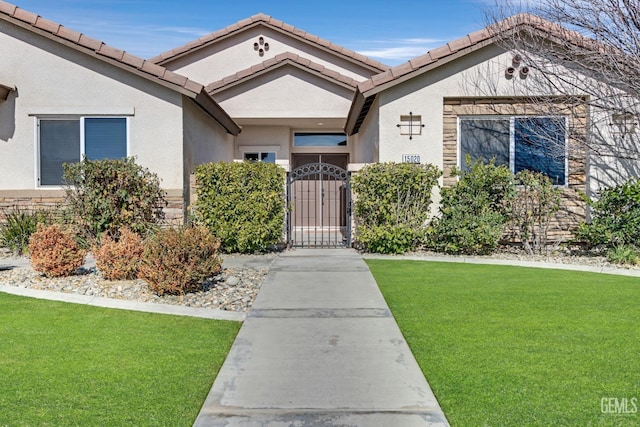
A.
pixel 81 120
pixel 512 140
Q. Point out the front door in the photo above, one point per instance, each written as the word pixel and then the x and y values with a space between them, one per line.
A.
pixel 319 197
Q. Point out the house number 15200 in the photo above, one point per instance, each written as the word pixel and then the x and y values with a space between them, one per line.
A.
pixel 411 158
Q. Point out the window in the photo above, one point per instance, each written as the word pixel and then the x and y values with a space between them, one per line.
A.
pixel 320 140
pixel 269 157
pixel 531 143
pixel 67 140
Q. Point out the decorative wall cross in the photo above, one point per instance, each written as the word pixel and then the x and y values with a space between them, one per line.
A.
pixel 410 125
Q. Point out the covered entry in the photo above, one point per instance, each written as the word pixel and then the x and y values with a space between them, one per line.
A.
pixel 319 201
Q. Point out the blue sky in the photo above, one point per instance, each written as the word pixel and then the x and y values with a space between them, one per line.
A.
pixel 391 31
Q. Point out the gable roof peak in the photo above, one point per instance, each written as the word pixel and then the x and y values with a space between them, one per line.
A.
pixel 279 61
pixel 277 25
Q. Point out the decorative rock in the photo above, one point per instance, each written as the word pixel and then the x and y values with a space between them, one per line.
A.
pixel 232 280
pixel 233 289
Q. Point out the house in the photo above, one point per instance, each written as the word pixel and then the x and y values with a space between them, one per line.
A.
pixel 317 109
pixel 64 95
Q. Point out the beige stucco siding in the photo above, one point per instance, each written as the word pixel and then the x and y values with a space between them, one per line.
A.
pixel 53 80
pixel 255 138
pixel 236 53
pixel 423 95
pixel 367 141
pixel 287 92
pixel 204 139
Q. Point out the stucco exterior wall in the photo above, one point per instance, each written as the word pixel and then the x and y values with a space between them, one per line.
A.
pixel 204 141
pixel 264 139
pixel 53 80
pixel 287 92
pixel 236 53
pixel 367 141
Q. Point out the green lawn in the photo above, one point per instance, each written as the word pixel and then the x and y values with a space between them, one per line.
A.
pixel 67 364
pixel 511 346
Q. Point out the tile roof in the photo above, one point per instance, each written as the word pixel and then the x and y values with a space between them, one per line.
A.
pixel 278 61
pixel 266 20
pixel 466 44
pixel 117 57
pixel 368 89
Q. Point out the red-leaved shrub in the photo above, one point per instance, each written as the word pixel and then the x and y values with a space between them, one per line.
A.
pixel 119 259
pixel 179 260
pixel 54 252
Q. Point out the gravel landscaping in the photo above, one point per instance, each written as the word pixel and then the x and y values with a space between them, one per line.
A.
pixel 233 289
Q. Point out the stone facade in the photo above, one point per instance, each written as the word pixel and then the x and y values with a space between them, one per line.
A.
pixel 572 210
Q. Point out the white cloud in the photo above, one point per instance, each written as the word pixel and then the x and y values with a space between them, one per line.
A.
pixel 393 52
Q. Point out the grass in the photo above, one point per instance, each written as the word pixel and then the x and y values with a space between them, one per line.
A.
pixel 68 364
pixel 505 346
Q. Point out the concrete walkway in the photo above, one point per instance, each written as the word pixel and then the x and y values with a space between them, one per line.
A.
pixel 320 348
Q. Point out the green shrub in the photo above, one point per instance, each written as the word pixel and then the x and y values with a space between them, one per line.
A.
pixel 19 225
pixel 623 254
pixel 392 205
pixel 54 251
pixel 536 202
pixel 242 203
pixel 389 239
pixel 177 261
pixel 474 211
pixel 105 195
pixel 615 216
pixel 118 257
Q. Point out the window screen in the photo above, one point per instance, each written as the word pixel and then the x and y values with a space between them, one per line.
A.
pixel 105 138
pixel 59 144
pixel 60 141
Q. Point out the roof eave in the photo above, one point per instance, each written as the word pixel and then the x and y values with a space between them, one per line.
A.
pixel 211 107
pixel 287 62
pixel 5 91
pixel 95 54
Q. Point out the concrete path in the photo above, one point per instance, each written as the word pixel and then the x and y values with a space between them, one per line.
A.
pixel 320 348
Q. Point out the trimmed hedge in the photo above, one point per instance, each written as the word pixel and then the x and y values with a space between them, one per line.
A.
pixel 392 205
pixel 243 204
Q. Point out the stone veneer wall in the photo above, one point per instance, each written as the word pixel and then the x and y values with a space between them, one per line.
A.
pixel 30 200
pixel 572 211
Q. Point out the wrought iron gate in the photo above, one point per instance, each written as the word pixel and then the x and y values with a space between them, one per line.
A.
pixel 319 202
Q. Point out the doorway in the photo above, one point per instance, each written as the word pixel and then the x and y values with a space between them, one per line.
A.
pixel 319 199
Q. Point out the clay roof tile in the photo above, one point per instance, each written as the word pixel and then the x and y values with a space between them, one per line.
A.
pixel 69 34
pixel 7 8
pixel 153 69
pixel 25 16
pixel 46 25
pixel 111 52
pixel 459 44
pixel 89 42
